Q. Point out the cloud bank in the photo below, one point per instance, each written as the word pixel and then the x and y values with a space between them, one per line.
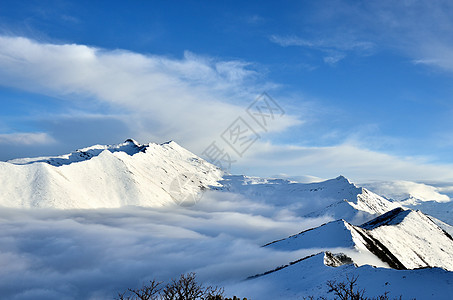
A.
pixel 402 190
pixel 93 254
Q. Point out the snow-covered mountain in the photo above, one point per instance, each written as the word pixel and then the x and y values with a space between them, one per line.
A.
pixel 400 239
pixel 107 176
pixel 402 252
pixel 337 236
pixel 413 238
pixel 337 198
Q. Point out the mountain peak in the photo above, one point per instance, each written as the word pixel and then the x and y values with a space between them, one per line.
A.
pixel 342 178
pixel 340 181
pixel 132 141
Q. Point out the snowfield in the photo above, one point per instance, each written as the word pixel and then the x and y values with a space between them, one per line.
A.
pixel 308 277
pixel 98 220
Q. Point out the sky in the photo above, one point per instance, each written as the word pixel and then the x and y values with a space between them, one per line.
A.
pixel 363 88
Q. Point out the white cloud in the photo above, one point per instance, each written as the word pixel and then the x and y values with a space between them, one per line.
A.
pixel 335 49
pixel 421 30
pixel 334 58
pixel 255 20
pixel 292 41
pixel 94 254
pixel 339 43
pixel 191 100
pixel 402 190
pixel 357 163
pixel 33 138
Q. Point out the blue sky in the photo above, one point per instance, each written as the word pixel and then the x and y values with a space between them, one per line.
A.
pixel 366 86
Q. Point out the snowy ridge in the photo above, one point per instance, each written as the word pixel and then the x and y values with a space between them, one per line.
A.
pixel 337 198
pixel 105 176
pixel 400 239
pixel 413 238
pixel 130 147
pixel 336 236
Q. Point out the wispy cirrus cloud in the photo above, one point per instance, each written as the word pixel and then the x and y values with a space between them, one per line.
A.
pixel 339 44
pixel 420 30
pixel 255 19
pixel 334 49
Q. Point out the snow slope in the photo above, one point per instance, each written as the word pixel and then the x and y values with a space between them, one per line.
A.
pixel 107 176
pixel 337 198
pixel 413 238
pixel 308 277
pixel 337 236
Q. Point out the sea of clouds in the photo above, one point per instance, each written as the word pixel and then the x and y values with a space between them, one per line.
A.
pixel 94 254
